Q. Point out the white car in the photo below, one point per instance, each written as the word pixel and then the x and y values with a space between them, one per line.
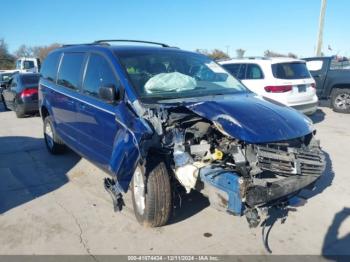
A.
pixel 285 80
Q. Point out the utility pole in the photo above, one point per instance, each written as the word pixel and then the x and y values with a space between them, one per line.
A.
pixel 227 50
pixel 320 28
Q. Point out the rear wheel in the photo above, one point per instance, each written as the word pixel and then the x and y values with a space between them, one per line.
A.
pixel 18 110
pixel 53 143
pixel 340 99
pixel 151 195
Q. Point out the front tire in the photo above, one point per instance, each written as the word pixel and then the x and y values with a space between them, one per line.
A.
pixel 53 143
pixel 340 99
pixel 151 195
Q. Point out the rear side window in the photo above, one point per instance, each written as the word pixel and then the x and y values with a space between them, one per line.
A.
pixel 295 70
pixel 70 70
pixel 254 72
pixel 237 70
pixel 98 73
pixel 30 79
pixel 314 65
pixel 50 65
pixel 339 64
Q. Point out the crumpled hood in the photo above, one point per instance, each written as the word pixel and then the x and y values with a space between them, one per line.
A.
pixel 252 119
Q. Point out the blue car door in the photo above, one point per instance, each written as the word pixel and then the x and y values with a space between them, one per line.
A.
pixel 96 117
pixel 65 95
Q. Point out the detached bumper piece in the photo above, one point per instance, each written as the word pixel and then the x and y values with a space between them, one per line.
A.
pixel 258 195
pixel 222 189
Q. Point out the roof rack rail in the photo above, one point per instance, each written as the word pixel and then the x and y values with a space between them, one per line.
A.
pixel 257 57
pixel 67 45
pixel 132 41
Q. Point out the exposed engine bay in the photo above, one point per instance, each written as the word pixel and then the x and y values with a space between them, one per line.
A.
pixel 236 176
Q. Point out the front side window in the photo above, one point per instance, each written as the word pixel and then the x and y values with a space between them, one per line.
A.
pixel 50 65
pixel 98 74
pixel 237 70
pixel 168 74
pixel 294 70
pixel 70 70
pixel 233 69
pixel 254 72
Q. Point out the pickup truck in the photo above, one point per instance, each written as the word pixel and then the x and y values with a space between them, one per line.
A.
pixel 332 76
pixel 28 65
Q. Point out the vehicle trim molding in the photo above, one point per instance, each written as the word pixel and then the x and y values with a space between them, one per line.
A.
pixel 80 100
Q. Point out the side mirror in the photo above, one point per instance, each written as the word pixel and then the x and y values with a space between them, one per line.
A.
pixel 108 93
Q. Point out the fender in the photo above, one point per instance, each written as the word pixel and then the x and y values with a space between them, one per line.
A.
pixel 127 144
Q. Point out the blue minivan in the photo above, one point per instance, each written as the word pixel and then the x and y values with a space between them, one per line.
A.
pixel 163 121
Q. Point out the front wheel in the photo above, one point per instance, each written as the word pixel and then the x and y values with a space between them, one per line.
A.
pixel 151 195
pixel 340 99
pixel 53 143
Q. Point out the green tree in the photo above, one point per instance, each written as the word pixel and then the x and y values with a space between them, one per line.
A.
pixel 215 54
pixel 269 53
pixel 42 51
pixel 7 61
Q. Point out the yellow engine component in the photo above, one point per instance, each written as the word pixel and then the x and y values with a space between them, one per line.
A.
pixel 217 155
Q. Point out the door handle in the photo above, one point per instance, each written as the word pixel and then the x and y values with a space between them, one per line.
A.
pixel 82 106
pixel 70 102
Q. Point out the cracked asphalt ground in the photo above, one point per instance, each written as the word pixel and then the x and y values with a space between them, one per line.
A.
pixel 57 205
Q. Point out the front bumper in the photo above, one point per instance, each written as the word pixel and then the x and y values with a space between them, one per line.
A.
pixel 283 172
pixel 227 191
pixel 272 192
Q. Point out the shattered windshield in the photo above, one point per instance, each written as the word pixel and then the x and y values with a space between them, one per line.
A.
pixel 172 74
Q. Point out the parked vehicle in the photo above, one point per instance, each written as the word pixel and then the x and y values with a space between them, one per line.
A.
pixel 4 78
pixel 21 94
pixel 332 75
pixel 161 120
pixel 284 80
pixel 28 65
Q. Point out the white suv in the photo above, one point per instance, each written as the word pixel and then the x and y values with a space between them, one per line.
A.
pixel 284 80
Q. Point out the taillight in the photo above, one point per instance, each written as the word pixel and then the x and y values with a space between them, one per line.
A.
pixel 313 85
pixel 278 89
pixel 29 92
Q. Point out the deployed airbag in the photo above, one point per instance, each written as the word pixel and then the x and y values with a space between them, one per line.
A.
pixel 170 82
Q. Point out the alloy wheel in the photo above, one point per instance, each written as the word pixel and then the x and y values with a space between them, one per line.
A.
pixel 342 101
pixel 139 190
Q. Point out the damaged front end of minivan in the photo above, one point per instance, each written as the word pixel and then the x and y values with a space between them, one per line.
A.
pixel 243 162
